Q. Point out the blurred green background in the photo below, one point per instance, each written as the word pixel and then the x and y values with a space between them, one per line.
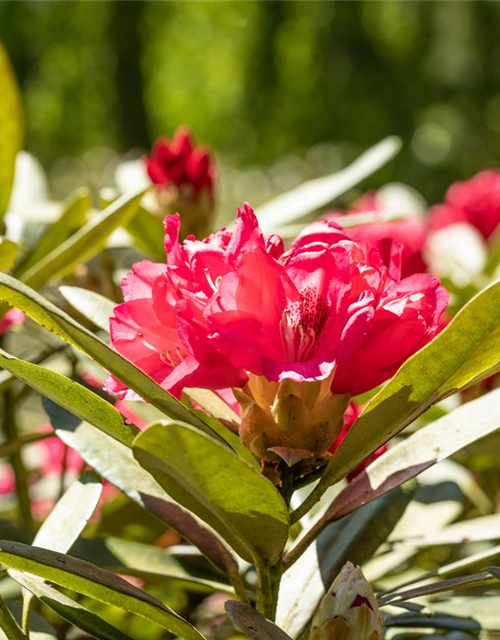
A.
pixel 281 90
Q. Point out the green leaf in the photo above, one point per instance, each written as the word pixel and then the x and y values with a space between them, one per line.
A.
pixel 145 561
pixel 115 462
pixel 11 128
pixel 66 521
pixel 253 623
pixel 89 580
pixel 421 450
pixel 148 233
pixel 73 216
pixel 93 306
pixel 70 515
pixel 459 533
pixel 465 582
pixel 314 194
pixel 220 488
pixel 69 609
pixel 72 396
pixel 8 253
pixel 465 352
pixel 35 306
pixel 85 243
pixel 355 539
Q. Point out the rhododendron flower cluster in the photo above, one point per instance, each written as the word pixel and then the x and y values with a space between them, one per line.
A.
pixel 475 201
pixel 298 331
pixel 184 177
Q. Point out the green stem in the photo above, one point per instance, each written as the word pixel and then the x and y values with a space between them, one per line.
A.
pixel 313 498
pixel 12 435
pixel 8 623
pixel 268 589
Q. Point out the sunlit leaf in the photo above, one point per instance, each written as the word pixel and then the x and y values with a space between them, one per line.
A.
pixel 115 462
pixel 73 216
pixel 312 195
pixel 421 450
pixel 11 128
pixel 93 582
pixel 69 609
pixel 72 396
pixel 83 244
pixel 220 488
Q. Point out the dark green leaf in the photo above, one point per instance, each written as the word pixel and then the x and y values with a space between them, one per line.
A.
pixel 253 623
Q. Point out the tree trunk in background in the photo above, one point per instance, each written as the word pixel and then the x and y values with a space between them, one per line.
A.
pixel 127 44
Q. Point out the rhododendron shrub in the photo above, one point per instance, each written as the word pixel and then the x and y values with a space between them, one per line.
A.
pixel 267 406
pixel 297 332
pixel 184 179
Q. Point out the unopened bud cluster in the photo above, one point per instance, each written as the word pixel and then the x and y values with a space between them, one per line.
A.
pixel 290 420
pixel 349 610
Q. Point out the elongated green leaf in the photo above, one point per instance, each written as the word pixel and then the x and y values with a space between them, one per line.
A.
pixel 73 216
pixel 93 306
pixel 312 195
pixel 471 530
pixel 18 295
pixel 66 521
pixel 465 582
pixel 93 582
pixel 115 462
pixel 465 352
pixel 221 489
pixel 11 128
pixel 72 396
pixel 70 515
pixel 253 623
pixel 355 539
pixel 8 253
pixel 126 557
pixel 69 609
pixel 421 450
pixel 85 243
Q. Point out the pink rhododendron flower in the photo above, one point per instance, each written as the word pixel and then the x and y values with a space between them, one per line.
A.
pixel 301 330
pixel 475 201
pixel 179 162
pixel 327 306
pixel 410 232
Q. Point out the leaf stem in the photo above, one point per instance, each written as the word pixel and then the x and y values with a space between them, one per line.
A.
pixel 313 498
pixel 268 588
pixel 12 434
pixel 8 623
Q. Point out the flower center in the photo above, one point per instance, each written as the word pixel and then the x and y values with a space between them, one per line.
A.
pixel 302 325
